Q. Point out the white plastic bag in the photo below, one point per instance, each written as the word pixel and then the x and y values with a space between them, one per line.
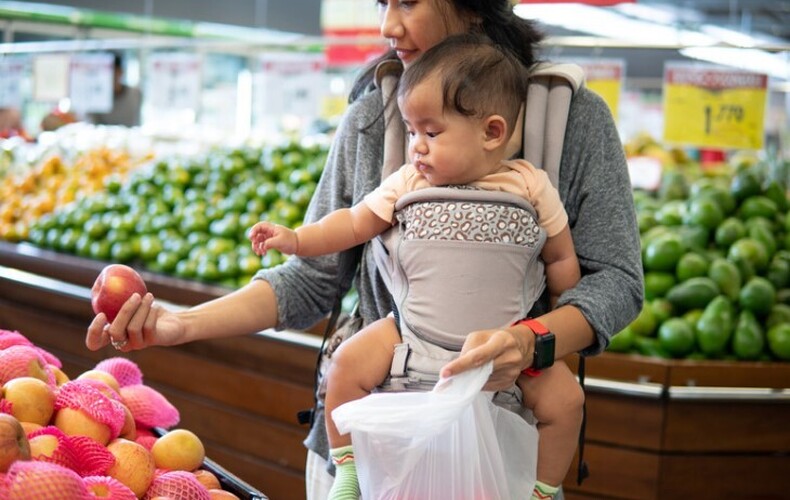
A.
pixel 451 443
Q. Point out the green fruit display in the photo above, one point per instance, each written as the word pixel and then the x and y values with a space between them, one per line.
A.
pixel 703 211
pixel 657 284
pixel 715 326
pixel 645 323
pixel 663 253
pixel 691 265
pixel 694 293
pixel 188 216
pixel 716 263
pixel 779 341
pixel 726 276
pixel 623 341
pixel 780 313
pixel 729 231
pixel 757 296
pixel 748 339
pixel 676 337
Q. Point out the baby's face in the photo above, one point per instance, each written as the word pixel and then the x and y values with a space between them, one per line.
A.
pixel 446 147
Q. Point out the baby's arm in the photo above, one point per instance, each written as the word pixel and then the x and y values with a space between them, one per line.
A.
pixel 337 231
pixel 562 266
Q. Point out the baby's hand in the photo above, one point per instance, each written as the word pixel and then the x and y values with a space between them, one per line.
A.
pixel 265 236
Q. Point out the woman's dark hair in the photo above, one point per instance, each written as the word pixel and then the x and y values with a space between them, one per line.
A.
pixel 477 77
pixel 495 19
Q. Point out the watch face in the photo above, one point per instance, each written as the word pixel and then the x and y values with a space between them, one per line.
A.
pixel 544 351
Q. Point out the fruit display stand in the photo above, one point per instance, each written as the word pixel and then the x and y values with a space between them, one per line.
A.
pixel 240 395
pixel 661 428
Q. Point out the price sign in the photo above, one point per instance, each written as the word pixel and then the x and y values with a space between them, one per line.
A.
pixel 51 77
pixel 91 82
pixel 174 80
pixel 712 107
pixel 605 78
pixel 11 73
pixel 288 84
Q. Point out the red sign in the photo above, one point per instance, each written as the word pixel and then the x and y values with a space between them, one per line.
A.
pixel 350 53
pixel 599 3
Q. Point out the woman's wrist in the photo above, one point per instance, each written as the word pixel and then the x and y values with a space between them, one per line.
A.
pixel 525 339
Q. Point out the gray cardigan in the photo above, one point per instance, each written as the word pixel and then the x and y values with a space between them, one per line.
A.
pixel 594 186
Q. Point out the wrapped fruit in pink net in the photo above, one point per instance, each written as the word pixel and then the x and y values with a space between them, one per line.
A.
pixel 28 480
pixel 93 459
pixel 103 388
pixel 24 361
pixel 13 337
pixel 177 484
pixel 82 409
pixel 49 444
pixel 108 487
pixel 81 454
pixel 149 408
pixel 125 371
pixel 147 439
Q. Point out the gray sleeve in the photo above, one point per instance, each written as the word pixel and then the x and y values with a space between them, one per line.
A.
pixel 596 190
pixel 307 288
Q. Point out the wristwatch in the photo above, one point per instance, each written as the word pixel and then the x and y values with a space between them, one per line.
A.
pixel 544 347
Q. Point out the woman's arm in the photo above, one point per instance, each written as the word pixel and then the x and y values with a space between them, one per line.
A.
pixel 143 323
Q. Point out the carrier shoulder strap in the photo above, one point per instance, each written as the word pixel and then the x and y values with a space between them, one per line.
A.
pixel 551 88
pixel 395 143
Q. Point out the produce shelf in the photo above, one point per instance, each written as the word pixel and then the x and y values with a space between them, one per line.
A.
pixel 656 428
pixel 659 428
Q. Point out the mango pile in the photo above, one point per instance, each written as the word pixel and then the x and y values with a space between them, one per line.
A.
pixel 99 435
pixel 716 258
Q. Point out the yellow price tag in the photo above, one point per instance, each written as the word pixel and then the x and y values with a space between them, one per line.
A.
pixel 604 77
pixel 712 107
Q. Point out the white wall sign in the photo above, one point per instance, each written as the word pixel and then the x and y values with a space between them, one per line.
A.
pixel 174 80
pixel 91 82
pixel 288 84
pixel 11 73
pixel 51 77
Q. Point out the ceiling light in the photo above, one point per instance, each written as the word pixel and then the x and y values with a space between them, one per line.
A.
pixel 776 65
pixel 610 24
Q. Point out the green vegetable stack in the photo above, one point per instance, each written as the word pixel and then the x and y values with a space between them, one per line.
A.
pixel 716 256
pixel 188 216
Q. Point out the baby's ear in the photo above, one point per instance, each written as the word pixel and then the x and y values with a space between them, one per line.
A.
pixel 495 131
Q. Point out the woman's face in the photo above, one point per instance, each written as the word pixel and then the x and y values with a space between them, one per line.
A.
pixel 414 26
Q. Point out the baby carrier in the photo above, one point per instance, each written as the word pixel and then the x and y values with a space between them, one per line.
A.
pixel 461 259
pixel 422 261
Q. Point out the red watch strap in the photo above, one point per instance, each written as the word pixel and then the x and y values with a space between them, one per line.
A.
pixel 538 329
pixel 534 325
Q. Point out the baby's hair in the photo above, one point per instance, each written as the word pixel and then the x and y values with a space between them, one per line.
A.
pixel 478 78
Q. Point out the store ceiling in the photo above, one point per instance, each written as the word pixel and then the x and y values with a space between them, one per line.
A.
pixel 768 17
pixel 771 17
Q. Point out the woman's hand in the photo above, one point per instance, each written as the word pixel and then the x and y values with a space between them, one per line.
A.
pixel 510 348
pixel 140 323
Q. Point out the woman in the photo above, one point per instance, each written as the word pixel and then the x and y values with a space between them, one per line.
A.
pixel 594 186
